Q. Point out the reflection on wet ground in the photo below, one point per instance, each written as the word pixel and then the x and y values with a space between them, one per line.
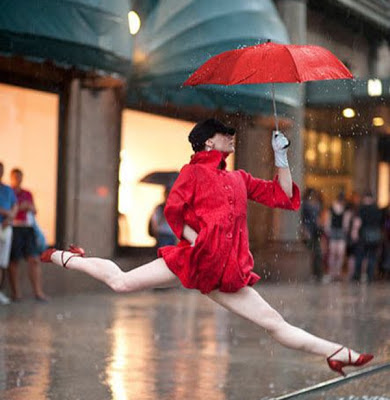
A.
pixel 177 344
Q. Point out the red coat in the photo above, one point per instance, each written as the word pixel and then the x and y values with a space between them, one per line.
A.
pixel 213 202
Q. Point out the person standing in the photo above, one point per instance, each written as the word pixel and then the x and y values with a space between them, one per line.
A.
pixel 312 230
pixel 385 265
pixel 368 226
pixel 24 241
pixel 8 209
pixel 159 227
pixel 351 213
pixel 336 228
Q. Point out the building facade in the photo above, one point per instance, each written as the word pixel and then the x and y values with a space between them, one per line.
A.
pixel 90 109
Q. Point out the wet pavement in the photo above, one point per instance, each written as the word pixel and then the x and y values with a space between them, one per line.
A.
pixel 178 344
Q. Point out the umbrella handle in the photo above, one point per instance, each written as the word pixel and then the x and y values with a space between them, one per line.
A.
pixel 274 105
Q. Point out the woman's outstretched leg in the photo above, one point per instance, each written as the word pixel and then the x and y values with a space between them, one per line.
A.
pixel 249 304
pixel 148 276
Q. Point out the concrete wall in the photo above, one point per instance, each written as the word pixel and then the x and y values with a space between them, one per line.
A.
pixel 346 44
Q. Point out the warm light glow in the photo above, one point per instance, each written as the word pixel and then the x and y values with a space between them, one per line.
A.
pixel 374 87
pixel 383 184
pixel 378 121
pixel 29 141
pixel 322 147
pixel 130 363
pixel 310 155
pixel 335 145
pixel 349 112
pixel 134 22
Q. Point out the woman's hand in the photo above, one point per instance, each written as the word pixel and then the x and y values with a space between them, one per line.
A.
pixel 189 234
pixel 280 145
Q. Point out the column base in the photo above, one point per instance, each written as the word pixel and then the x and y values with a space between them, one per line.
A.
pixel 283 261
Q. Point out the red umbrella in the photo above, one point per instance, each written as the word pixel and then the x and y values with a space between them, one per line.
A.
pixel 270 63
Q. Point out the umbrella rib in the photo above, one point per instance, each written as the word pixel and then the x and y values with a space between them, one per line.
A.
pixel 293 62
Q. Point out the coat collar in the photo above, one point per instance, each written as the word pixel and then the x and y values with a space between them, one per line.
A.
pixel 211 159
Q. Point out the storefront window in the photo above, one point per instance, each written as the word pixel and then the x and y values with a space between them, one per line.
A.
pixel 29 141
pixel 328 163
pixel 326 154
pixel 150 143
pixel 383 184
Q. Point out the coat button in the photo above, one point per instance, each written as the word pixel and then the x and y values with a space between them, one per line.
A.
pixel 227 187
pixel 229 235
pixel 230 200
pixel 230 216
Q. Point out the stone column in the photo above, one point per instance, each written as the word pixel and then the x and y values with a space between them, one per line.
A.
pixel 285 257
pixel 293 14
pixel 89 163
pixel 366 164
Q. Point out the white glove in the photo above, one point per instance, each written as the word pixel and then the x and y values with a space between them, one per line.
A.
pixel 280 145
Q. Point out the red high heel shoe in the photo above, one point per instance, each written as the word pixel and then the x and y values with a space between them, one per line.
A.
pixel 77 252
pixel 46 255
pixel 337 365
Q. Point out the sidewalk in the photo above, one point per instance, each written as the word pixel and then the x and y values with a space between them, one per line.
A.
pixel 177 344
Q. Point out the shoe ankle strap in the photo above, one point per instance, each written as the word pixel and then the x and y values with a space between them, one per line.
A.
pixel 338 351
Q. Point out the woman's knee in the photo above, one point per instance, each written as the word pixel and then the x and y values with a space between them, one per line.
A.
pixel 273 321
pixel 117 282
pixel 118 285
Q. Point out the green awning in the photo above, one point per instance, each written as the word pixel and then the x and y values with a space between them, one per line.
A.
pixel 178 36
pixel 85 34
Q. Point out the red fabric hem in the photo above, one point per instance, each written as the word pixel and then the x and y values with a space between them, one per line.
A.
pixel 168 253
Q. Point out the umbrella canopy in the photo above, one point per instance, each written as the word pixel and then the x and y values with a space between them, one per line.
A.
pixel 166 178
pixel 270 63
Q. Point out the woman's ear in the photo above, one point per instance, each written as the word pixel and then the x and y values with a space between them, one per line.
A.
pixel 209 143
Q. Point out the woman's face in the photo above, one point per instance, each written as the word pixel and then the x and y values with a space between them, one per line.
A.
pixel 221 142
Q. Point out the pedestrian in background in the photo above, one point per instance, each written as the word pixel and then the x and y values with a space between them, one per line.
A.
pixel 351 213
pixel 385 262
pixel 312 230
pixel 368 226
pixel 159 227
pixel 8 208
pixel 24 241
pixel 336 228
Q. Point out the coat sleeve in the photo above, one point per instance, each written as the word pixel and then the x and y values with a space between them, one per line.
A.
pixel 270 193
pixel 180 198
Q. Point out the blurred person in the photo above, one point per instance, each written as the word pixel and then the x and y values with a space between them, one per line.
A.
pixel 207 209
pixel 385 262
pixel 336 229
pixel 312 229
pixel 24 241
pixel 8 208
pixel 158 225
pixel 367 230
pixel 352 239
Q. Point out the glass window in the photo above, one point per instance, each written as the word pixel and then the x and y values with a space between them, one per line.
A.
pixel 29 141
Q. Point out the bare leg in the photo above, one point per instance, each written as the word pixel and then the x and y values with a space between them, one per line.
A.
pixel 249 304
pixel 14 280
pixel 351 267
pixel 148 276
pixel 336 257
pixel 34 273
